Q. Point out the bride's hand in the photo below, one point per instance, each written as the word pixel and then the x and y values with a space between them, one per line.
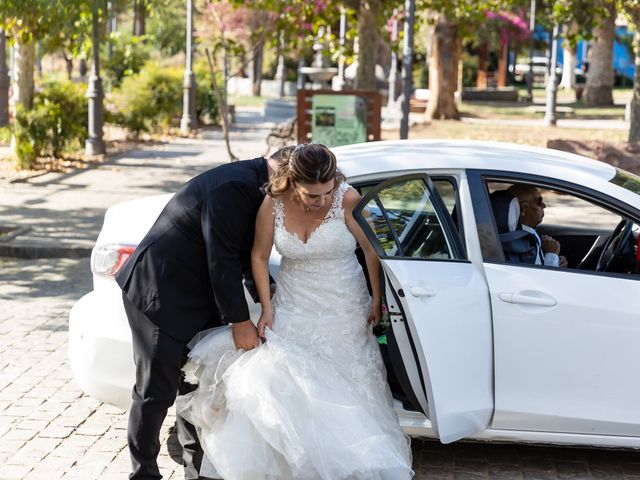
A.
pixel 266 320
pixel 376 314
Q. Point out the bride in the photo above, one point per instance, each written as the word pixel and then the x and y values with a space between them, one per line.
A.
pixel 312 401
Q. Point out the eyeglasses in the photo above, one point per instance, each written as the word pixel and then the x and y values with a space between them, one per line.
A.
pixel 538 201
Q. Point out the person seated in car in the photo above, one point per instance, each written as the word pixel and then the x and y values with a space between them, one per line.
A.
pixel 547 249
pixel 518 245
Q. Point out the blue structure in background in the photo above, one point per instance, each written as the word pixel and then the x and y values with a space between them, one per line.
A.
pixel 623 61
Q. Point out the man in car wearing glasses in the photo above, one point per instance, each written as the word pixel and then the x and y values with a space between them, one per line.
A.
pixel 531 214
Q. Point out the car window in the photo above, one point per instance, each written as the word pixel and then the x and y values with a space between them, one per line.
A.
pixel 446 188
pixel 584 234
pixel 405 222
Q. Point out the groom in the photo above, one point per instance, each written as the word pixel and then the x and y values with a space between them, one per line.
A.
pixel 186 276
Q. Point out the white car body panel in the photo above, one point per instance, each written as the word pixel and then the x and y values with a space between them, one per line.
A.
pixel 561 367
pixel 98 323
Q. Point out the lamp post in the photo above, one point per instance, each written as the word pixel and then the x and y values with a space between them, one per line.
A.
pixel 407 66
pixel 4 81
pixel 552 84
pixel 343 29
pixel 280 71
pixel 532 27
pixel 95 144
pixel 393 68
pixel 188 120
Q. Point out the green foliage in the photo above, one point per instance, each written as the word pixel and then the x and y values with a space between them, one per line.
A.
pixel 149 100
pixel 56 123
pixel 5 135
pixel 128 56
pixel 206 104
pixel 166 26
pixel 33 19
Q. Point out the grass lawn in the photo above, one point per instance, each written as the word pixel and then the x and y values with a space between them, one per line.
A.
pixel 246 101
pixel 538 136
pixel 568 107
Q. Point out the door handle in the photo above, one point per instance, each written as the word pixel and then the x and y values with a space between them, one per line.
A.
pixel 527 299
pixel 422 292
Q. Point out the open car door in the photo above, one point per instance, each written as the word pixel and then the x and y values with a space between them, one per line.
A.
pixel 438 304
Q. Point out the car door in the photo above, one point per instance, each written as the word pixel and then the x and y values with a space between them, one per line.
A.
pixel 565 339
pixel 438 302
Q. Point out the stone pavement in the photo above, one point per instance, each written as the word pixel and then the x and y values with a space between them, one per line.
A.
pixel 49 430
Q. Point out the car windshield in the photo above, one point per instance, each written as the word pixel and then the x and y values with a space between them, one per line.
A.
pixel 627 180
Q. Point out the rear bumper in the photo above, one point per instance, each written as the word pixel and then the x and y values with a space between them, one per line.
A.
pixel 100 351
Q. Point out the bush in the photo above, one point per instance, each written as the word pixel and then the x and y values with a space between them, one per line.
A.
pixel 128 56
pixel 206 103
pixel 149 100
pixel 56 123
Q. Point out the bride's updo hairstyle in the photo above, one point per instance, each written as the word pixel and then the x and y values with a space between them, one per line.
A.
pixel 306 163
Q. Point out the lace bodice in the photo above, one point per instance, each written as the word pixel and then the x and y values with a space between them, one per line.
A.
pixel 331 240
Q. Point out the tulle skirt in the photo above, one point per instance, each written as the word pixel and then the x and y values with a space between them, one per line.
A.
pixel 279 412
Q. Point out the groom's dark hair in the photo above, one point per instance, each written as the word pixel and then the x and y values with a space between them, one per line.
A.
pixel 283 154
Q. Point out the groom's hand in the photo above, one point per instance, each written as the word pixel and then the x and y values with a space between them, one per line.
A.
pixel 245 335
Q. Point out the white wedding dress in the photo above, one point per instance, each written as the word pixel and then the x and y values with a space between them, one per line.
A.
pixel 311 402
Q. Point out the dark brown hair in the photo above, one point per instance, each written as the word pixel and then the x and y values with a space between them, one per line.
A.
pixel 306 163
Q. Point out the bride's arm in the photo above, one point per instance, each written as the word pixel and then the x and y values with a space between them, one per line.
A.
pixel 262 243
pixel 351 199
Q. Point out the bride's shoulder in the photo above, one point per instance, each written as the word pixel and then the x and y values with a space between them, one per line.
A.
pixel 268 205
pixel 351 196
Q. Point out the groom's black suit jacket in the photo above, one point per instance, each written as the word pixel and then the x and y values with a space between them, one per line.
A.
pixel 187 273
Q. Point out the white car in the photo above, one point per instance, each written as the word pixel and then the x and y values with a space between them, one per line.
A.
pixel 476 347
pixel 540 70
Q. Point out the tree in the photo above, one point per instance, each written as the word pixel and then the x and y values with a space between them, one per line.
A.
pixel 600 77
pixel 588 19
pixel 26 21
pixel 631 8
pixel 452 21
pixel 368 28
pixel 139 18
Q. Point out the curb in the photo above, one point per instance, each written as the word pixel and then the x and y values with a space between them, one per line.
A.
pixel 35 251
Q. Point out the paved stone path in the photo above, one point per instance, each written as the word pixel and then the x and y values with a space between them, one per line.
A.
pixel 49 430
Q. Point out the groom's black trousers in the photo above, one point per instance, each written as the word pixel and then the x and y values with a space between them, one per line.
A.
pixel 159 359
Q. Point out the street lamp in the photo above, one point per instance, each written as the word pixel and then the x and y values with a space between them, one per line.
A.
pixel 552 84
pixel 532 27
pixel 393 68
pixel 95 144
pixel 407 66
pixel 188 120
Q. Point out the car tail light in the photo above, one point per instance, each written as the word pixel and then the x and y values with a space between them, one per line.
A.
pixel 108 259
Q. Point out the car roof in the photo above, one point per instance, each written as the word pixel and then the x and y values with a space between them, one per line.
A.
pixel 395 156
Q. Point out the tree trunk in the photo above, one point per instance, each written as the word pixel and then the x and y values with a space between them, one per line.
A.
pixel 599 88
pixel 256 67
pixel 367 36
pixel 4 81
pixel 258 24
pixel 221 98
pixel 443 71
pixel 68 60
pixel 502 66
pixel 139 17
pixel 634 128
pixel 483 55
pixel 569 54
pixel 22 88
